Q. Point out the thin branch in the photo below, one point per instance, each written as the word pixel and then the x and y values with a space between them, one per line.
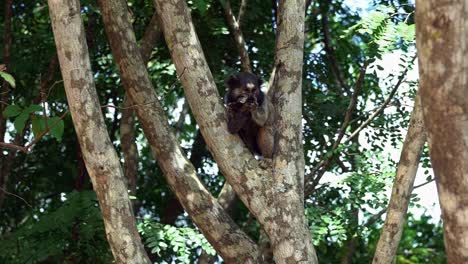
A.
pixel 308 4
pixel 375 217
pixel 46 131
pixel 242 9
pixel 335 67
pixel 150 38
pixel 384 105
pixel 325 163
pixel 17 196
pixel 423 184
pixel 13 147
pixel 237 34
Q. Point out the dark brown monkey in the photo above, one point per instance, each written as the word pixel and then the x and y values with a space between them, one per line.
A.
pixel 249 113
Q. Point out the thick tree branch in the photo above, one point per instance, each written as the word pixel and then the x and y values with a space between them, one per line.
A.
pixel 127 129
pixel 230 242
pixel 98 152
pixel 442 31
pixel 402 187
pixel 288 158
pixel 240 169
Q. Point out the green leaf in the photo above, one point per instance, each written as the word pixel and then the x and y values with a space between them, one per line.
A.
pixel 33 108
pixel 36 126
pixel 9 78
pixel 12 110
pixel 20 122
pixel 163 245
pixel 57 130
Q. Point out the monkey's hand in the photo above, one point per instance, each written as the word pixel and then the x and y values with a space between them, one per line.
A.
pixel 250 105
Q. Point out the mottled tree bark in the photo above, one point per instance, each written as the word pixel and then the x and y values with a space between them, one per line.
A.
pixel 129 147
pixel 225 236
pixel 402 188
pixel 442 33
pixel 289 235
pixel 98 152
pixel 276 201
pixel 127 129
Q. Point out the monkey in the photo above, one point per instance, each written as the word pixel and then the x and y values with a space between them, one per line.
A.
pixel 249 113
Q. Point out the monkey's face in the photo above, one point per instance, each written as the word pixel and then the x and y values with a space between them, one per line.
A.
pixel 244 88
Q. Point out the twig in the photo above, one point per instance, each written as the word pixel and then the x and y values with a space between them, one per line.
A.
pixel 423 184
pixel 17 196
pixel 324 164
pixel 335 68
pixel 384 105
pixel 13 147
pixel 241 14
pixel 46 131
pixel 52 86
pixel 237 34
pixel 376 217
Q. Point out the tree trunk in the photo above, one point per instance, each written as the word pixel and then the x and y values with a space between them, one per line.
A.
pixel 225 236
pixel 442 33
pixel 402 187
pixel 276 201
pixel 100 156
pixel 293 243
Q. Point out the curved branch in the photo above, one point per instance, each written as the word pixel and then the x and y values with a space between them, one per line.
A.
pixel 99 154
pixel 237 34
pixel 220 230
pixel 384 105
pixel 324 164
pixel 127 130
pixel 241 169
pixel 335 67
pixel 242 8
pixel 402 188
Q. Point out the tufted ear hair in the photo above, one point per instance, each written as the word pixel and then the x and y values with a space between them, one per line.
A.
pixel 233 81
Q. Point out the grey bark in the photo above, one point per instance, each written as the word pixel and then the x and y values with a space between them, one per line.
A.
pixel 99 154
pixel 402 188
pixel 441 34
pixel 225 236
pixel 257 188
pixel 127 129
pixel 289 234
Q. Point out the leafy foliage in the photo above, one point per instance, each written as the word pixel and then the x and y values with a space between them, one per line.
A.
pixel 173 243
pixel 351 193
pixel 73 232
pixel 8 78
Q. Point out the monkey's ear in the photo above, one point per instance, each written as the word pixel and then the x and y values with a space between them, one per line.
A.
pixel 233 81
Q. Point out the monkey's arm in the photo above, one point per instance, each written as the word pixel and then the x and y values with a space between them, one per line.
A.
pixel 261 113
pixel 235 120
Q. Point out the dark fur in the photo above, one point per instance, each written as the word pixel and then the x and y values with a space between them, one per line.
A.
pixel 248 112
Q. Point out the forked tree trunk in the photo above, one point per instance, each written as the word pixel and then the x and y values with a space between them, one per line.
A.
pixel 402 187
pixel 441 38
pixel 99 154
pixel 220 230
pixel 274 198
